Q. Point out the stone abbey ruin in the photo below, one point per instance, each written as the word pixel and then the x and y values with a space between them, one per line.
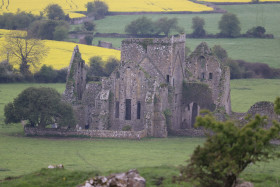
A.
pixel 155 91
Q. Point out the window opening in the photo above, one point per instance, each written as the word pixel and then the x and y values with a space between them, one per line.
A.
pixel 138 110
pixel 117 114
pixel 128 109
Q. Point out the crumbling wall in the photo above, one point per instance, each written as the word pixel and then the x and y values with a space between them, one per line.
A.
pixel 76 78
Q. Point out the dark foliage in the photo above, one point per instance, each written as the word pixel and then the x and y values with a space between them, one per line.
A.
pixel 54 12
pixel 89 26
pixel 198 27
pixel 145 26
pixel 88 39
pixel 97 8
pixel 220 52
pixel 96 69
pixel 19 20
pixel 257 32
pixel 229 25
pixel 141 26
pixel 40 107
pixel 48 29
pixel 229 150
pixel 240 69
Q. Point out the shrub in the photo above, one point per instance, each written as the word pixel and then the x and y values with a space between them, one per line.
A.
pixel 229 150
pixel 88 39
pixel 257 32
pixel 55 12
pixel 89 26
pixel 140 26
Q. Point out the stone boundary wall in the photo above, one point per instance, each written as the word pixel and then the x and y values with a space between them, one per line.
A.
pixel 189 132
pixel 31 131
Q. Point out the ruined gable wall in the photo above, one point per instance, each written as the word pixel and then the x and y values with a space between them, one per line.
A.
pixel 204 67
pixel 76 78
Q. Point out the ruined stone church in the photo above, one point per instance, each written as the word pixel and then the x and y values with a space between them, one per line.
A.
pixel 155 88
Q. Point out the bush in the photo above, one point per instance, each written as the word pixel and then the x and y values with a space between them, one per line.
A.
pixel 19 20
pixel 88 39
pixel 229 150
pixel 48 29
pixel 48 75
pixel 257 32
pixel 40 107
pixel 89 26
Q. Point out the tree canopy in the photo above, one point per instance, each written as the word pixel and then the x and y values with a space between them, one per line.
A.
pixel 229 25
pixel 40 107
pixel 145 26
pixel 230 149
pixel 55 12
pixel 97 8
pixel 197 26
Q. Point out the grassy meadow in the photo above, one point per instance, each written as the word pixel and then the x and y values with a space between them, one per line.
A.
pixel 154 157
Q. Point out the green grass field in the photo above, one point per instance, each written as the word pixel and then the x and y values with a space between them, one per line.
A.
pixel 155 158
pixel 251 50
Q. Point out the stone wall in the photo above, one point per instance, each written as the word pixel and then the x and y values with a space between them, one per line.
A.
pixel 105 44
pixel 189 132
pixel 30 131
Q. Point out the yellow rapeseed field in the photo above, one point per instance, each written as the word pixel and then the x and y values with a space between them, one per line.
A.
pixel 70 6
pixel 236 1
pixel 59 53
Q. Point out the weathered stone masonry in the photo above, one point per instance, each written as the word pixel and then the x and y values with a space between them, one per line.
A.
pixel 146 91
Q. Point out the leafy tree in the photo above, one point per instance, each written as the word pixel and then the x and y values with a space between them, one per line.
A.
pixel 19 20
pixel 197 26
pixel 23 51
pixel 60 33
pixel 89 26
pixel 97 8
pixel 48 29
pixel 220 52
pixel 41 107
pixel 140 26
pixel 54 12
pixel 229 25
pixel 166 25
pixel 230 150
pixel 96 68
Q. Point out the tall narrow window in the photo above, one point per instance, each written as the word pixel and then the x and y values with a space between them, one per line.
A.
pixel 210 75
pixel 203 75
pixel 128 109
pixel 117 114
pixel 138 110
pixel 167 78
